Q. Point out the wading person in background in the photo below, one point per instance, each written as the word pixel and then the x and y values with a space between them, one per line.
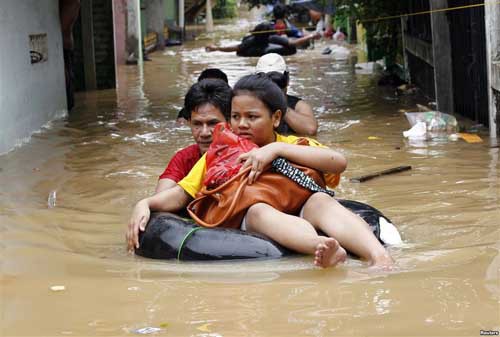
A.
pixel 299 118
pixel 262 35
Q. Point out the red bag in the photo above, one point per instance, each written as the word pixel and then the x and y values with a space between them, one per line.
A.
pixel 222 155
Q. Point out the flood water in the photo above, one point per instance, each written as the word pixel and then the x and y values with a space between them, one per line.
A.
pixel 66 196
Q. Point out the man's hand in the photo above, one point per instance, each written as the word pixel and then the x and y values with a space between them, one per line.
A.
pixel 138 221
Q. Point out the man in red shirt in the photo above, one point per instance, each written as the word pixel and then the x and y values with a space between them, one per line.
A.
pixel 207 103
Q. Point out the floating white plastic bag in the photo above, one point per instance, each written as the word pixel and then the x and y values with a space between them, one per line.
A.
pixel 435 121
pixel 418 131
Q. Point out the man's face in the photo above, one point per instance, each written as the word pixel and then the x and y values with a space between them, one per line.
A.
pixel 202 123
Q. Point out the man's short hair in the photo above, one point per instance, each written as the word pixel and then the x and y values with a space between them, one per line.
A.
pixel 213 73
pixel 212 91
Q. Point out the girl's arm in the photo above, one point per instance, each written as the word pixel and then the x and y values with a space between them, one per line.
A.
pixel 320 158
pixel 171 200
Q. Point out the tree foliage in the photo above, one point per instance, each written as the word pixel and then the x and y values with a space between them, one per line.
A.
pixel 384 35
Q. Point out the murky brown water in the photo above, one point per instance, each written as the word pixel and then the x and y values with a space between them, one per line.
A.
pixel 108 156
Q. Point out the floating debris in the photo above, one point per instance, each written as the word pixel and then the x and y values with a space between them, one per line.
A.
pixel 57 288
pixel 470 138
pixel 147 330
pixel 381 173
pixel 51 201
pixel 204 327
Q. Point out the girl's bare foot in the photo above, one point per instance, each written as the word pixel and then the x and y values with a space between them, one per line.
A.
pixel 329 253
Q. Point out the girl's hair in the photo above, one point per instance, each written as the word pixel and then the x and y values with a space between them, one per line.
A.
pixel 265 90
pixel 210 90
pixel 281 79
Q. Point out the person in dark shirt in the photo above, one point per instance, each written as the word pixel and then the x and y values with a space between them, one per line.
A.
pixel 262 35
pixel 282 25
pixel 299 118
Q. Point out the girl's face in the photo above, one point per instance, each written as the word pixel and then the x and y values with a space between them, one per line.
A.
pixel 251 119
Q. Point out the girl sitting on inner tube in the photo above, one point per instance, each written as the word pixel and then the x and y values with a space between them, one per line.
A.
pixel 257 108
pixel 263 35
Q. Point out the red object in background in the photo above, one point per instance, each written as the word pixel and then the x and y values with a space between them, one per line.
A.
pixel 329 33
pixel 222 155
pixel 280 28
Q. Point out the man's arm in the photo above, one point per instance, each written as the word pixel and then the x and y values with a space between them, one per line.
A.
pixel 171 200
pixel 301 119
pixel 302 40
pixel 164 184
pixel 227 49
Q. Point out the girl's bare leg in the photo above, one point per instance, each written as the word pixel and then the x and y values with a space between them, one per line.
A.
pixel 351 231
pixel 294 233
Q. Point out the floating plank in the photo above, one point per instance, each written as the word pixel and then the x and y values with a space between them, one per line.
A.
pixel 381 173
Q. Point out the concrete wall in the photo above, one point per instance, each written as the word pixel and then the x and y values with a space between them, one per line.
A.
pixel 171 11
pixel 30 94
pixel 492 21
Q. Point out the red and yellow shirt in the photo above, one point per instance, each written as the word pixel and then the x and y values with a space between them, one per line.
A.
pixel 193 182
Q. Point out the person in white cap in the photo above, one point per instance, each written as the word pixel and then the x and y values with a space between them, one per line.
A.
pixel 299 118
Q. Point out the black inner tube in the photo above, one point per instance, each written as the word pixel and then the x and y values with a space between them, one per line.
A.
pixel 169 236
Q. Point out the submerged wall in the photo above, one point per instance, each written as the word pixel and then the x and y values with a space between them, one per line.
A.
pixel 32 85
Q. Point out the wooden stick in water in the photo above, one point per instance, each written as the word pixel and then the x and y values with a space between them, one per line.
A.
pixel 381 173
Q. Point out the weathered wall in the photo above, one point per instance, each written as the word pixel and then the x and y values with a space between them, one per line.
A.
pixel 120 30
pixel 155 19
pixel 171 11
pixel 30 94
pixel 492 23
pixel 132 39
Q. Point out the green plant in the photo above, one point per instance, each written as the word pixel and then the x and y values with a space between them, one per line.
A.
pixel 224 9
pixel 383 36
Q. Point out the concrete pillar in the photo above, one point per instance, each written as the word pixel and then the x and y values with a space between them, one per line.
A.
pixel 155 20
pixel 209 22
pixel 181 18
pixel 407 74
pixel 120 30
pixel 134 44
pixel 328 22
pixel 492 21
pixel 443 66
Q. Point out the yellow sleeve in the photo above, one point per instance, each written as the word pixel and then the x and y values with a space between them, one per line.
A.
pixel 331 179
pixel 192 183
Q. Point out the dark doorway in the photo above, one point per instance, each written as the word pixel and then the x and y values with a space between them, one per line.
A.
pixel 470 74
